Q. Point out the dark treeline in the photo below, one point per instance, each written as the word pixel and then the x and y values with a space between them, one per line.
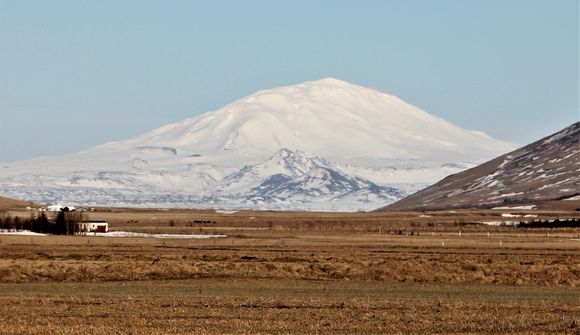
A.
pixel 60 223
pixel 565 223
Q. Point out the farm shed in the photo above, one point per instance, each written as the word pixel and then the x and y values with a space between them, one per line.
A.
pixel 93 226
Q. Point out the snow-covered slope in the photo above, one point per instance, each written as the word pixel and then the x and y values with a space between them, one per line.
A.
pixel 546 170
pixel 289 179
pixel 317 145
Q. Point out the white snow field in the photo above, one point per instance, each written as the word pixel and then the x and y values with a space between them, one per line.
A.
pixel 20 232
pixel 319 145
pixel 119 234
pixel 168 236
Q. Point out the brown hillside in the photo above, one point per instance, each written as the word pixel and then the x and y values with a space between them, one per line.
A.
pixel 544 171
pixel 7 203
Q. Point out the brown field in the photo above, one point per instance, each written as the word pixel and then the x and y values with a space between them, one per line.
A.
pixel 295 273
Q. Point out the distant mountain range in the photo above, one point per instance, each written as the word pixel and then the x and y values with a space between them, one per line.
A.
pixel 546 170
pixel 319 145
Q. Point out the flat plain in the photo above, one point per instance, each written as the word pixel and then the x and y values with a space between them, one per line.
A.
pixel 295 273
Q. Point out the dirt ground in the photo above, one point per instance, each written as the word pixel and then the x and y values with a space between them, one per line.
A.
pixel 295 273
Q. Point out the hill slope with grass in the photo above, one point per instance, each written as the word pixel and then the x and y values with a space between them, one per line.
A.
pixel 547 170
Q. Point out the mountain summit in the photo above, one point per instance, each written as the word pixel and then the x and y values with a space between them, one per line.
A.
pixel 328 116
pixel 336 146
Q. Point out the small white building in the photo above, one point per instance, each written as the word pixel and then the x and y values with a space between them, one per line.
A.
pixel 93 227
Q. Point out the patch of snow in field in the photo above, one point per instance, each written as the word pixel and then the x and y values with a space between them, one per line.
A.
pixel 226 212
pixel 528 207
pixel 134 234
pixel 118 234
pixel 500 223
pixel 507 215
pixel 424 216
pixel 20 232
pixel 574 198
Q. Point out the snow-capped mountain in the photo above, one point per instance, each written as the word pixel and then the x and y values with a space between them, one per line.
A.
pixel 324 144
pixel 290 178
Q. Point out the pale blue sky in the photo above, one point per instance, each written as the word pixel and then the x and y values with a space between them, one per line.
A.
pixel 74 74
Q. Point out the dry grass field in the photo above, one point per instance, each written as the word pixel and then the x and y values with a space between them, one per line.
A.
pixel 7 203
pixel 265 306
pixel 295 273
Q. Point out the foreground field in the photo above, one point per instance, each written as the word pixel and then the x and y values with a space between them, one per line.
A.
pixel 295 273
pixel 250 306
pixel 443 258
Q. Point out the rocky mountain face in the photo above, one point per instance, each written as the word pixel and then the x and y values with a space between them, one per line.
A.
pixel 293 177
pixel 546 170
pixel 320 145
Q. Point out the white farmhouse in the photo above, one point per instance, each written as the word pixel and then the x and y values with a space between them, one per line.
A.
pixel 93 227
